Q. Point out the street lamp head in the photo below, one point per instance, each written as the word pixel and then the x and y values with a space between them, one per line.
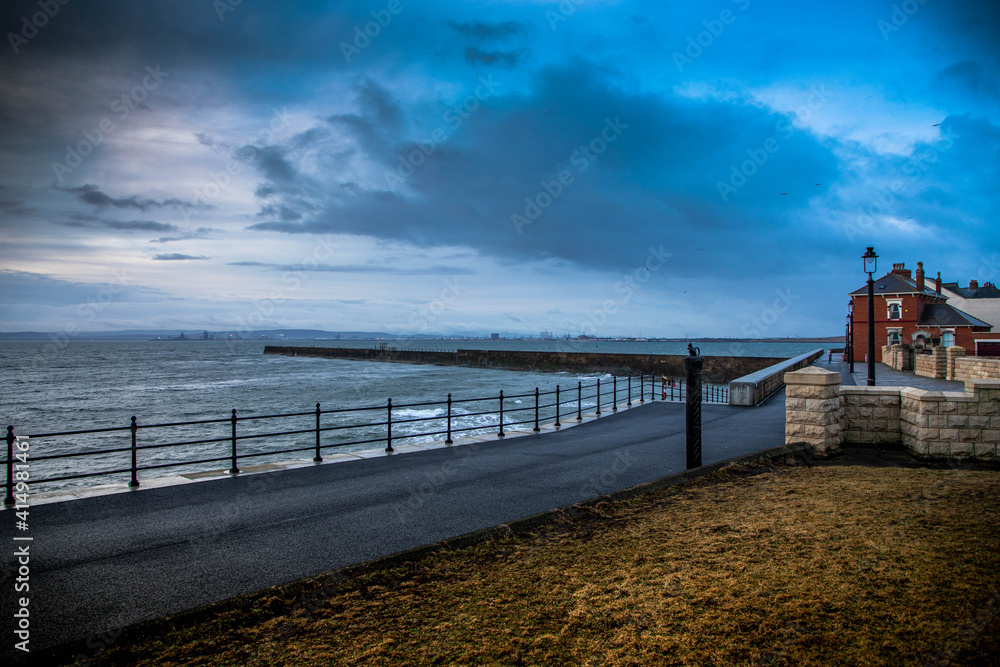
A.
pixel 871 260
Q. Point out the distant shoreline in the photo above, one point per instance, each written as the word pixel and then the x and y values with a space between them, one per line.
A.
pixel 100 337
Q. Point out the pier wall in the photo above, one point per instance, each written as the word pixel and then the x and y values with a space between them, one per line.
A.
pixel 718 370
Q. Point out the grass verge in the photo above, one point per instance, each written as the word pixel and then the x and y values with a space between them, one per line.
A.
pixel 758 564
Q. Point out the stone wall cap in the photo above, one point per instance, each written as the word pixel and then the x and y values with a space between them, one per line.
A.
pixel 878 391
pixel 922 394
pixel 971 384
pixel 813 376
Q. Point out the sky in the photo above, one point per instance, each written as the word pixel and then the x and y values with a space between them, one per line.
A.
pixel 582 167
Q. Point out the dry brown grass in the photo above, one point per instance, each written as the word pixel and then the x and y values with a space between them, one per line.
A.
pixel 791 566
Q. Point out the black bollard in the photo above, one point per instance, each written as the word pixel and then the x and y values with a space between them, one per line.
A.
pixel 693 365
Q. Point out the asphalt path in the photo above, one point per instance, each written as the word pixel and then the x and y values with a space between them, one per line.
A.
pixel 102 563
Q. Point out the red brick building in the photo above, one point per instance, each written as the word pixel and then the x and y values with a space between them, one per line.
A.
pixel 909 310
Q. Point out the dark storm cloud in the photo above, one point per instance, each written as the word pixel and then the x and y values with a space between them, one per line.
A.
pixel 501 58
pixel 654 180
pixel 490 31
pixel 176 256
pixel 433 270
pixel 91 194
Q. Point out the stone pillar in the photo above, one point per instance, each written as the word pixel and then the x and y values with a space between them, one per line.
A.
pixel 940 355
pixel 813 410
pixel 953 353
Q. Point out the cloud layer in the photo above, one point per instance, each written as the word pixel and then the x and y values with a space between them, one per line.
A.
pixel 343 161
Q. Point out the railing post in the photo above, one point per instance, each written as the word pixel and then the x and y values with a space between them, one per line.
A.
pixel 579 401
pixel 536 429
pixel 134 482
pixel 448 440
pixel 693 364
pixel 614 393
pixel 234 470
pixel 629 404
pixel 598 397
pixel 501 434
pixel 9 498
pixel 388 428
pixel 642 389
pixel 652 388
pixel 557 424
pixel 319 457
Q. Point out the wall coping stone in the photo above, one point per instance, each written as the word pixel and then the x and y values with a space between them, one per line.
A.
pixel 813 376
pixel 973 384
pixel 871 391
pixel 939 396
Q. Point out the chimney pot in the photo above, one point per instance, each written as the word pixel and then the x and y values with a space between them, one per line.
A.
pixel 937 283
pixel 920 277
pixel 973 284
pixel 900 269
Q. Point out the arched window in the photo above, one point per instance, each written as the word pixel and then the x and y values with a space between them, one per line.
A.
pixel 894 313
pixel 948 338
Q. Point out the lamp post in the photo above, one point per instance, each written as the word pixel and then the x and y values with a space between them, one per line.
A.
pixel 871 264
pixel 850 334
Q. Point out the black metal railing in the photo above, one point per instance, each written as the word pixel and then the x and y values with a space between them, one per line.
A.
pixel 210 442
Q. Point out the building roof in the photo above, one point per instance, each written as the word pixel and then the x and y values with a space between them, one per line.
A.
pixel 943 315
pixel 986 291
pixel 893 283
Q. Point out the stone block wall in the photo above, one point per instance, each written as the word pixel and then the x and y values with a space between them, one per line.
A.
pixel 871 415
pixel 898 357
pixel 933 365
pixel 976 368
pixel 929 424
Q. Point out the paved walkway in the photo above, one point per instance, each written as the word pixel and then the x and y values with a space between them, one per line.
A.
pixel 101 563
pixel 886 377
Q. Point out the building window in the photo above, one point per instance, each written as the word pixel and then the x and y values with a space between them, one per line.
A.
pixel 948 338
pixel 893 338
pixel 894 311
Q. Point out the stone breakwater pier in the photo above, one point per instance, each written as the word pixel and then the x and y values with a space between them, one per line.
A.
pixel 718 370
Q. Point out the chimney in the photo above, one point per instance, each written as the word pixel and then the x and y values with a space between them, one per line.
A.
pixel 901 270
pixel 973 285
pixel 937 283
pixel 920 277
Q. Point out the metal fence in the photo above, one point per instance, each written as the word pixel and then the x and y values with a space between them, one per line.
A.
pixel 138 447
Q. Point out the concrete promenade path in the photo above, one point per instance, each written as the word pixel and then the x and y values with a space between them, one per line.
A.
pixel 101 563
pixel 886 376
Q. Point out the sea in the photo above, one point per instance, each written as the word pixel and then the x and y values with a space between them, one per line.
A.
pixel 55 387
